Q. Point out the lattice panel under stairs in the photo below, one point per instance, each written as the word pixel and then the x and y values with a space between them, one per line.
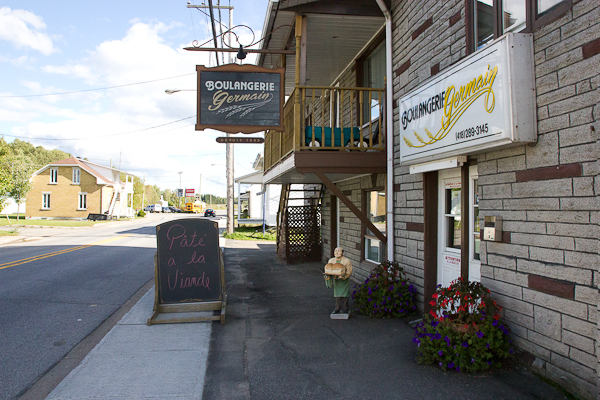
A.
pixel 303 233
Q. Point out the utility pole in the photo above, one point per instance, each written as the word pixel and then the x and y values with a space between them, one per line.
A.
pixel 144 191
pixel 180 188
pixel 229 146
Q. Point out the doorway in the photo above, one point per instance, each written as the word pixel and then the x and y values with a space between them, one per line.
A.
pixel 450 229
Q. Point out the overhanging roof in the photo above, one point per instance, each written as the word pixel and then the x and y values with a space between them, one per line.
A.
pixel 336 33
pixel 253 178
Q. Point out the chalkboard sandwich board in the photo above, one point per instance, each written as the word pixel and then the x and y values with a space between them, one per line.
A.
pixel 189 274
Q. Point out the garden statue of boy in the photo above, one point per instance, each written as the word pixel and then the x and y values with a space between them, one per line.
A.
pixel 341 282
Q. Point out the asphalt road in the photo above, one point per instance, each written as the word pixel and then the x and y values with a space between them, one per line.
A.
pixel 57 290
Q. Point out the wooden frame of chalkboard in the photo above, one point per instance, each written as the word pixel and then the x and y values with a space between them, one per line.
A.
pixel 189 273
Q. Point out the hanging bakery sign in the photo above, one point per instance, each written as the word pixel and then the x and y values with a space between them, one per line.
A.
pixel 240 98
pixel 485 101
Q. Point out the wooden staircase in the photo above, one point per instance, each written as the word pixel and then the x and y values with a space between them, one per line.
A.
pixel 299 223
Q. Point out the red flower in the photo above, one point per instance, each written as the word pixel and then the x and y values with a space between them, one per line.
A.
pixel 432 303
pixel 435 296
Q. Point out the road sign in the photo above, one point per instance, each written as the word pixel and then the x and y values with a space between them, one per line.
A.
pixel 179 192
pixel 240 140
pixel 190 192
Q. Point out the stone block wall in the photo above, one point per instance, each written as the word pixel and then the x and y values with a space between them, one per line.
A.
pixel 426 40
pixel 546 271
pixel 350 226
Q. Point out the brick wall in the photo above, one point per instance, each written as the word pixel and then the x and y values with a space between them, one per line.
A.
pixel 64 195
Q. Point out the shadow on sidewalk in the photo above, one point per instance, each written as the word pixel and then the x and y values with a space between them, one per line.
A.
pixel 279 343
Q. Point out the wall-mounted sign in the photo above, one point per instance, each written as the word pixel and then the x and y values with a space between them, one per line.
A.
pixel 255 140
pixel 240 98
pixel 486 100
pixel 190 192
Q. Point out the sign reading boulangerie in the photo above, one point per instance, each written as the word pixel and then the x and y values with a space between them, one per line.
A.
pixel 240 98
pixel 485 101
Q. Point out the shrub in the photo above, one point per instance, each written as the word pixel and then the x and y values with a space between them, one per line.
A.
pixel 141 213
pixel 463 330
pixel 385 293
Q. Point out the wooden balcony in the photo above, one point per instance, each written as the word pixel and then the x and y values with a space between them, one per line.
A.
pixel 339 131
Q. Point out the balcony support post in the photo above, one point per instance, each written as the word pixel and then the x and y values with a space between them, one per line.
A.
pixel 297 105
pixel 360 215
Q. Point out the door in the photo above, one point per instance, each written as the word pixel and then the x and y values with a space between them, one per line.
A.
pixel 449 240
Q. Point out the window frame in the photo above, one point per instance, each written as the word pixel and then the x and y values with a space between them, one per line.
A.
pixel 365 231
pixel 46 200
pixel 76 174
pixel 80 196
pixel 53 176
pixel 533 20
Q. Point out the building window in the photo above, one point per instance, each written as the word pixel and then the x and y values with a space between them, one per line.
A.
pixel 489 19
pixel 45 201
pixel 373 77
pixel 452 213
pixel 82 203
pixel 375 207
pixel 76 176
pixel 53 175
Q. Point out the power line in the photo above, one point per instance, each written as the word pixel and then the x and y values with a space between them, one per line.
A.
pixel 91 90
pixel 114 134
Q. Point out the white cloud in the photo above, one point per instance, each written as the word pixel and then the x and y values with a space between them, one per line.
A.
pixel 24 29
pixel 94 117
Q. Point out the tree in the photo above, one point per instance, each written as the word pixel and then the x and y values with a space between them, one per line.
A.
pixel 138 193
pixel 4 173
pixel 20 173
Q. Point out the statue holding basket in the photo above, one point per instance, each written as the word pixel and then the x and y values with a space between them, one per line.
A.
pixel 337 275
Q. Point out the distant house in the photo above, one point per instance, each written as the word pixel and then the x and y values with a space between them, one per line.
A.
pixel 259 202
pixel 74 188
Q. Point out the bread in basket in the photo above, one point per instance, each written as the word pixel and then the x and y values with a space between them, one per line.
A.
pixel 334 269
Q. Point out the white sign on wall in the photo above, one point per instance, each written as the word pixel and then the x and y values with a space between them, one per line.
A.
pixel 485 101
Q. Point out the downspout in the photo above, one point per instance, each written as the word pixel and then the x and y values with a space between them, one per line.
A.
pixel 389 130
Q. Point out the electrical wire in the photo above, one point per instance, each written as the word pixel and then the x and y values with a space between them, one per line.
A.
pixel 91 90
pixel 114 134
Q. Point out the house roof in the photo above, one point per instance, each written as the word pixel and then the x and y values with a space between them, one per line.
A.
pixel 73 161
pixel 253 178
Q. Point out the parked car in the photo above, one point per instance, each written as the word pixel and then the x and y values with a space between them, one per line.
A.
pixel 153 208
pixel 175 209
pixel 166 210
pixel 210 213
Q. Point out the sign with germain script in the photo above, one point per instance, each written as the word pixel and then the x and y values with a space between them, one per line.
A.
pixel 485 101
pixel 240 98
pixel 189 274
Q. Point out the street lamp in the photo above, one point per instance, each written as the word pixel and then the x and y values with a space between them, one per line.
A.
pixel 171 91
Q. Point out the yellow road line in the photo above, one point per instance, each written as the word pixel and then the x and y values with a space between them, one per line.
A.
pixel 56 253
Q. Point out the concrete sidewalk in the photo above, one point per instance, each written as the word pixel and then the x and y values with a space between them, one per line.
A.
pixel 278 343
pixel 137 361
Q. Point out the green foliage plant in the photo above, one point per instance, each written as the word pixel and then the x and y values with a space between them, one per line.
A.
pixel 385 293
pixel 463 331
pixel 141 213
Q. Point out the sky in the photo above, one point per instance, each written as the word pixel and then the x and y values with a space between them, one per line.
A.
pixel 89 78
